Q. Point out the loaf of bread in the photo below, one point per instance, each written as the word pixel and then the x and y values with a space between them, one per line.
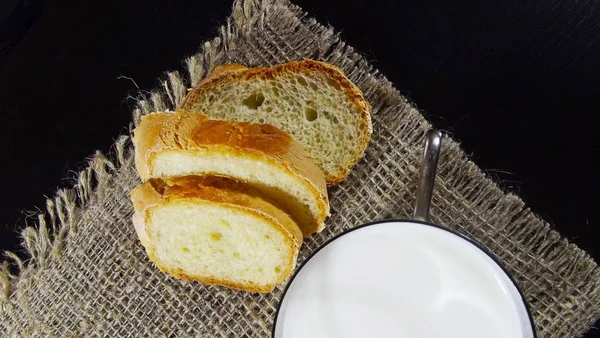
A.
pixel 215 230
pixel 261 155
pixel 313 101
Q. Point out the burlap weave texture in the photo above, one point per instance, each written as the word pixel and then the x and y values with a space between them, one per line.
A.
pixel 89 276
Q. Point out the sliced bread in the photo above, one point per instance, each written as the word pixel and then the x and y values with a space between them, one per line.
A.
pixel 215 230
pixel 313 101
pixel 265 157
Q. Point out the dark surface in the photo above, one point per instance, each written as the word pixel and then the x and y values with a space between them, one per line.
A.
pixel 516 82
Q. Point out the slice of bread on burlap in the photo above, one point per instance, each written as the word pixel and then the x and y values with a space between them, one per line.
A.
pixel 215 230
pixel 313 101
pixel 171 144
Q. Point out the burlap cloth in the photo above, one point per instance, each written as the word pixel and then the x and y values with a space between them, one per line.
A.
pixel 89 276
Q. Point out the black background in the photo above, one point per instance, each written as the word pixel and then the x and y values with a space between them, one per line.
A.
pixel 518 83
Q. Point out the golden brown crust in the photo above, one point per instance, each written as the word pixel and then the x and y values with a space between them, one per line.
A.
pixel 160 132
pixel 221 70
pixel 215 190
pixel 155 132
pixel 236 73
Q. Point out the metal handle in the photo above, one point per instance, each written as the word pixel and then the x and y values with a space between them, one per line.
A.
pixel 433 143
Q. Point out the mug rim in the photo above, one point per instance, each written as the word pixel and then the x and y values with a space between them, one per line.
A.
pixel 394 220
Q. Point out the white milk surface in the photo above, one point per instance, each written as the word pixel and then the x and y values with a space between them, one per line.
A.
pixel 402 279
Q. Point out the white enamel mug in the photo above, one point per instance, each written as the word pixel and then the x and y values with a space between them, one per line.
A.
pixel 403 278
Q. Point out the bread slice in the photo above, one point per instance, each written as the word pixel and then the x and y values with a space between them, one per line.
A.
pixel 215 230
pixel 313 101
pixel 170 144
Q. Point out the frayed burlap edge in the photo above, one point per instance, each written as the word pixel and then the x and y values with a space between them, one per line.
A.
pixel 45 240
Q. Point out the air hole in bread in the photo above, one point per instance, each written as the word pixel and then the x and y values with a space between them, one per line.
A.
pixel 334 119
pixel 267 237
pixel 225 224
pixel 275 91
pixel 333 83
pixel 277 269
pixel 216 236
pixel 254 101
pixel 331 117
pixel 310 114
pixel 186 250
pixel 313 86
pixel 302 81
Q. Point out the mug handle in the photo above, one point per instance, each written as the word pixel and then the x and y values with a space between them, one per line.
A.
pixel 433 143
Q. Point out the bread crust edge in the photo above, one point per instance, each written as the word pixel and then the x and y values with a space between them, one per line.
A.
pixel 234 72
pixel 147 196
pixel 162 132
